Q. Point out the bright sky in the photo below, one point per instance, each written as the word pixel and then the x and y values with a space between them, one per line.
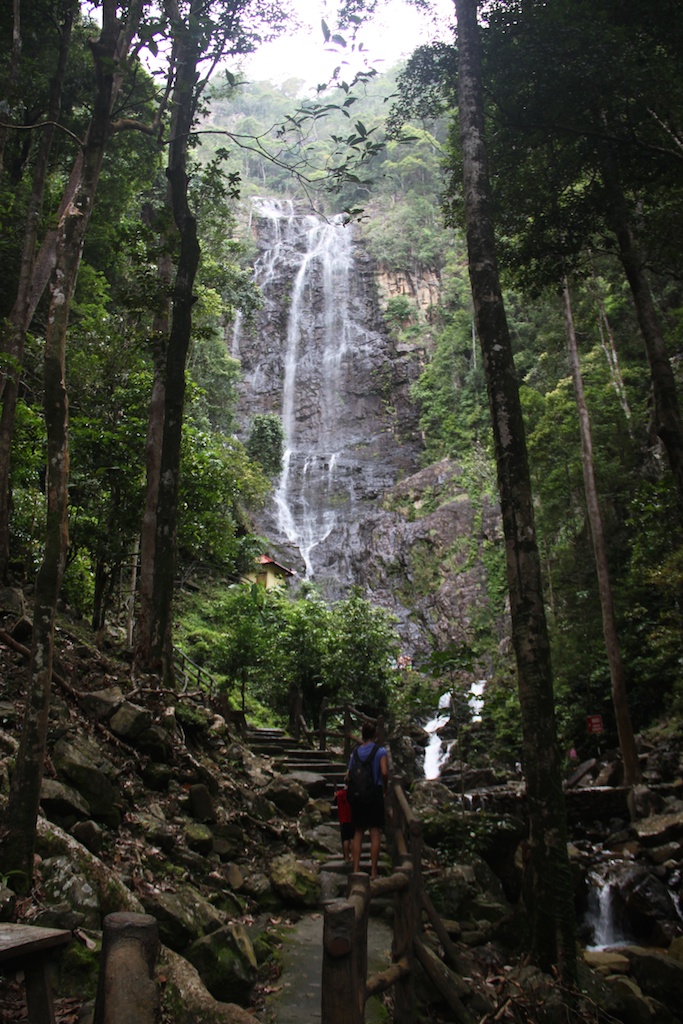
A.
pixel 395 31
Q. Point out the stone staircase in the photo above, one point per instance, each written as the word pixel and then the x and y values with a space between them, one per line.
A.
pixel 293 757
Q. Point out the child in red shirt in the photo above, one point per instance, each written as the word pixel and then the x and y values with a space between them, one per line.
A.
pixel 341 800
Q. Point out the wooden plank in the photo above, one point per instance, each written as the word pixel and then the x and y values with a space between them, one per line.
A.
pixel 20 940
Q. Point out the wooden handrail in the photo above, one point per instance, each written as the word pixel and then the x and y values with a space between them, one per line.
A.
pixel 345 985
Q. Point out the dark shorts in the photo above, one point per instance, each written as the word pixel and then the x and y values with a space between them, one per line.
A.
pixel 369 813
pixel 347 830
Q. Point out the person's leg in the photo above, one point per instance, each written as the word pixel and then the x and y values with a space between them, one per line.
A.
pixel 356 847
pixel 375 839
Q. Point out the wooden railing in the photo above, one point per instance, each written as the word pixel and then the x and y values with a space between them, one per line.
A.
pixel 352 720
pixel 345 984
pixel 189 672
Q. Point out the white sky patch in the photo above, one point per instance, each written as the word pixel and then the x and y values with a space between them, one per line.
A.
pixel 395 31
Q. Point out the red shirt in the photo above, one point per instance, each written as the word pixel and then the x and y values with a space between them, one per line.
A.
pixel 343 806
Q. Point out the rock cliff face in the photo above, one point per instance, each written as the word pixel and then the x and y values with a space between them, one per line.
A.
pixel 347 508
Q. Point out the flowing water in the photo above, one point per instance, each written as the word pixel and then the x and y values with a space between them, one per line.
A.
pixel 436 750
pixel 601 918
pixel 316 358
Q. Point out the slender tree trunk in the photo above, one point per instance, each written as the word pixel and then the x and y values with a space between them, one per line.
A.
pixel 45 258
pixel 155 430
pixel 13 76
pixel 627 743
pixel 36 268
pixel 17 835
pixel 668 420
pixel 15 332
pixel 550 889
pixel 609 348
pixel 188 49
pixel 144 618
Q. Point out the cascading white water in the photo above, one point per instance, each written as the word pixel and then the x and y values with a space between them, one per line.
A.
pixel 436 751
pixel 600 917
pixel 322 335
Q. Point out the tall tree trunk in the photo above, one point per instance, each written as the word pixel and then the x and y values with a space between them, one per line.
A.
pixel 144 614
pixel 17 321
pixel 609 347
pixel 668 420
pixel 550 889
pixel 36 267
pixel 17 835
pixel 13 76
pixel 188 49
pixel 627 743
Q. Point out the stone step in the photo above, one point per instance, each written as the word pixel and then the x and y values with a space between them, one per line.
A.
pixel 272 748
pixel 322 767
pixel 337 865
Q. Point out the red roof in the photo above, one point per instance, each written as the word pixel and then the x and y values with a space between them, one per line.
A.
pixel 266 560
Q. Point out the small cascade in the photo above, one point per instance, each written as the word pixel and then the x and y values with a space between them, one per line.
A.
pixel 437 750
pixel 600 922
pixel 476 699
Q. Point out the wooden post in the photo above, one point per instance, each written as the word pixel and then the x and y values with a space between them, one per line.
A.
pixel 359 897
pixel 347 733
pixel 341 1001
pixel 322 732
pixel 295 711
pixel 126 990
pixel 406 922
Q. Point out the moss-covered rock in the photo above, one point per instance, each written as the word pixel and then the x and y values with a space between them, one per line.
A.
pixel 226 963
pixel 296 882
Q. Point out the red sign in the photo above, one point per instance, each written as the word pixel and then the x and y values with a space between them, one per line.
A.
pixel 594 723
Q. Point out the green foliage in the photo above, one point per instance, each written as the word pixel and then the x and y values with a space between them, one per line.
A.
pixel 460 837
pixel 217 482
pixel 266 442
pixel 267 642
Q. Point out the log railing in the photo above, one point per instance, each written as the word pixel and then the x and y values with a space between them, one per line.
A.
pixel 345 984
pixel 352 722
pixel 189 672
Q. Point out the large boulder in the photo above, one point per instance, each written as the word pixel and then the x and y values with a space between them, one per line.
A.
pixel 183 916
pixel 185 998
pixel 660 828
pixel 130 721
pixel 313 783
pixel 101 704
pixel 80 762
pixel 288 795
pixel 70 899
pixel 198 837
pixel 658 975
pixel 226 963
pixel 62 804
pixel 296 882
pixel 648 907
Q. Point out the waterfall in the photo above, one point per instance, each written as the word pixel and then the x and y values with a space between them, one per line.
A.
pixel 317 357
pixel 601 918
pixel 436 750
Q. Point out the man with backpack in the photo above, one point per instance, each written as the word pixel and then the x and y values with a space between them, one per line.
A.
pixel 368 778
